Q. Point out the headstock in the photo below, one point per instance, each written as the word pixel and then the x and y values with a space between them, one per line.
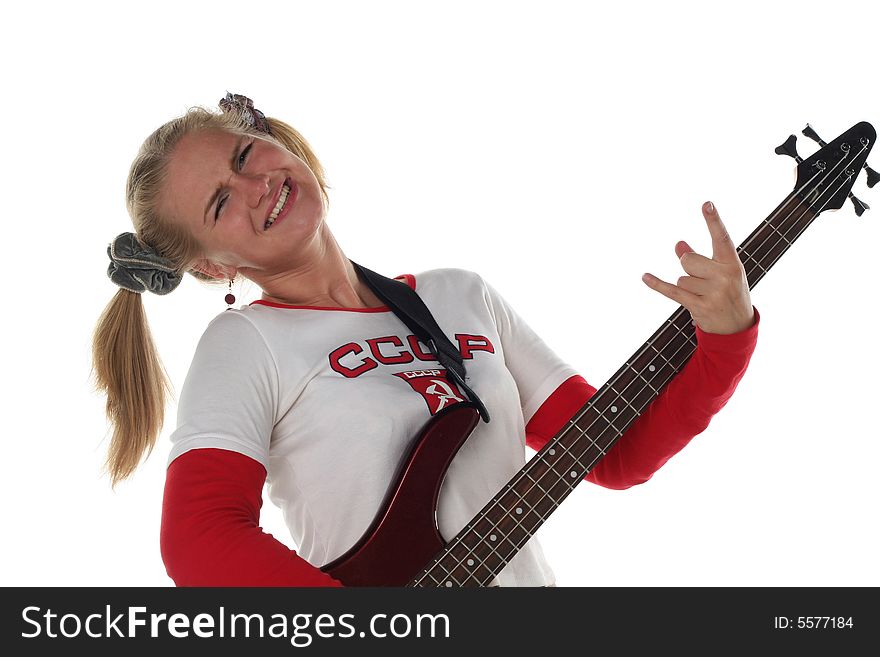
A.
pixel 826 178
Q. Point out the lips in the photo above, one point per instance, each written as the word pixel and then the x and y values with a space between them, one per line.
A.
pixel 276 196
pixel 288 203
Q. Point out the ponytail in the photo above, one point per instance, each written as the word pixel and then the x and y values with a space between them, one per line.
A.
pixel 128 370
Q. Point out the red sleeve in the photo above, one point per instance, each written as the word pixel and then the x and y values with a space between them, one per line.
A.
pixel 681 411
pixel 210 534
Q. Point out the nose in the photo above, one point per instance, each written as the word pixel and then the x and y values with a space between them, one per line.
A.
pixel 253 188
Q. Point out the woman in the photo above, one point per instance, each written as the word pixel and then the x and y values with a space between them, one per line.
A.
pixel 317 388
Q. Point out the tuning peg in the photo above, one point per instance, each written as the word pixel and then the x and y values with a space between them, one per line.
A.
pixel 873 176
pixel 859 205
pixel 789 147
pixel 809 132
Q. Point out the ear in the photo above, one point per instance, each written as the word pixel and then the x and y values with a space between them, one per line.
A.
pixel 213 270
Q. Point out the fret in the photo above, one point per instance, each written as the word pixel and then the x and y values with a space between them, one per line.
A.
pixel 784 249
pixel 518 535
pixel 610 423
pixel 480 570
pixel 460 552
pixel 485 526
pixel 643 379
pixel 464 576
pixel 625 401
pixel 567 467
pixel 433 579
pixel 448 575
pixel 557 461
pixel 506 519
pixel 573 423
pixel 565 482
pixel 501 558
pixel 477 569
pixel 769 253
pixel 593 443
pixel 524 501
pixel 660 353
pixel 547 501
pixel 748 257
pixel 537 511
pixel 484 517
pixel 506 538
pixel 579 465
pixel 531 520
pixel 647 361
pixel 680 321
pixel 562 486
pixel 549 494
pixel 470 539
pixel 617 433
pixel 487 544
pixel 689 338
pixel 622 416
pixel 469 557
pixel 640 398
pixel 773 228
pixel 589 418
pixel 538 485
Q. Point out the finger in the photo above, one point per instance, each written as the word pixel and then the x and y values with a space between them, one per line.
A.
pixel 692 262
pixel 723 248
pixel 698 286
pixel 685 298
pixel 698 265
pixel 683 247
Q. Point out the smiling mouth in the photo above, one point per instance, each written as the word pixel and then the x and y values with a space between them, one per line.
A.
pixel 285 198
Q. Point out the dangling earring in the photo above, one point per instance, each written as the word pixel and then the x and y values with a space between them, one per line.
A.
pixel 230 298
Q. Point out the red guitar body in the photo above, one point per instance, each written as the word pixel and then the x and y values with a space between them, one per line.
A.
pixel 404 537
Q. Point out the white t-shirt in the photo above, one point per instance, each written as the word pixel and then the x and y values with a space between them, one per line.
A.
pixel 329 399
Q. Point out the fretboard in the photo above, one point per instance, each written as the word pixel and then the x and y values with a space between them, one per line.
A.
pixel 484 547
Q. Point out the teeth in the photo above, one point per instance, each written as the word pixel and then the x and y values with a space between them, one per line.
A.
pixel 285 190
pixel 282 199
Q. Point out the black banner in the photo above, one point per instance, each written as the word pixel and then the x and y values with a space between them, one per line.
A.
pixel 400 621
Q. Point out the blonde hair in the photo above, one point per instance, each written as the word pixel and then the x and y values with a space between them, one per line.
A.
pixel 125 364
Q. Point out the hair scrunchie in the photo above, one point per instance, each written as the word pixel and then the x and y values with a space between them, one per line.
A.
pixel 137 267
pixel 245 107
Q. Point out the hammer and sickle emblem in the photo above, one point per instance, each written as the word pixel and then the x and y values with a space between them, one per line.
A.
pixel 443 391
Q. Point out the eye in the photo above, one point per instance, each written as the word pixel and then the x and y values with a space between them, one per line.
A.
pixel 241 160
pixel 243 156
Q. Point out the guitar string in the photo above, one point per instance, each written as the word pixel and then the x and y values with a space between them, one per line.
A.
pixel 807 225
pixel 551 467
pixel 583 432
pixel 469 551
pixel 595 443
pixel 571 484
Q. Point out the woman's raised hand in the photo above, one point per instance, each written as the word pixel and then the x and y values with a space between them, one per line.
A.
pixel 716 292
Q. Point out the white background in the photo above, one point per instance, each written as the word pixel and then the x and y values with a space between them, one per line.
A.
pixel 560 150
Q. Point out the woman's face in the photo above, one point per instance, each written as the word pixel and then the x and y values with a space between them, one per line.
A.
pixel 224 187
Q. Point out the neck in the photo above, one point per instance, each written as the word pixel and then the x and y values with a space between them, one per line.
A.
pixel 325 278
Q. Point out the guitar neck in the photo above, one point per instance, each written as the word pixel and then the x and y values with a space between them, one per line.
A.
pixel 481 550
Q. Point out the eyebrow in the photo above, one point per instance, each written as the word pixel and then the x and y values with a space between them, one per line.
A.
pixel 220 188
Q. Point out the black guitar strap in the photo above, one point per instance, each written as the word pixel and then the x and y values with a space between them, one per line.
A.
pixel 413 312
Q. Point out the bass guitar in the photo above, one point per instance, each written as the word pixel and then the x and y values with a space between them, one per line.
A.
pixel 488 542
